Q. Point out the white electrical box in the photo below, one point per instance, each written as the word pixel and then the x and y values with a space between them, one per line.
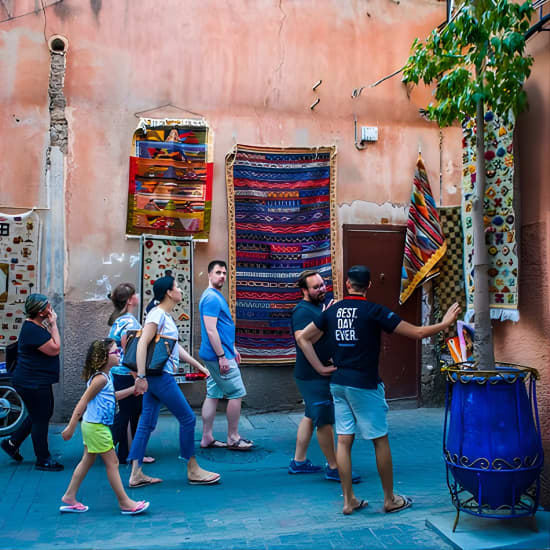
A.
pixel 369 133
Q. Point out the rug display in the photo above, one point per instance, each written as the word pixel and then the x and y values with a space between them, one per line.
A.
pixel 500 233
pixel 281 213
pixel 19 269
pixel 449 286
pixel 170 179
pixel 425 243
pixel 173 257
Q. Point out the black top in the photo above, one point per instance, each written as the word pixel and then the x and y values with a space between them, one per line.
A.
pixel 34 368
pixel 303 314
pixel 353 327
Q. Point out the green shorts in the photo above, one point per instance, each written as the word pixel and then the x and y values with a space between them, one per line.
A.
pixel 97 437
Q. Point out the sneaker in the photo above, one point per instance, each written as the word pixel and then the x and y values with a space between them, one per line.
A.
pixel 11 450
pixel 306 467
pixel 332 475
pixel 49 465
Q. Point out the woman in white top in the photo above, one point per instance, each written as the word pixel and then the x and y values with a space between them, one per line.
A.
pixel 163 389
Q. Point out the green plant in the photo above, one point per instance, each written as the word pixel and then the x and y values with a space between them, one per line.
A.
pixel 477 61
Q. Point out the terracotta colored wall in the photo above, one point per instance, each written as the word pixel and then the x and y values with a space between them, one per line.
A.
pixel 528 342
pixel 249 68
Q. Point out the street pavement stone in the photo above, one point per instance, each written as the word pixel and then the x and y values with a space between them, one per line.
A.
pixel 258 505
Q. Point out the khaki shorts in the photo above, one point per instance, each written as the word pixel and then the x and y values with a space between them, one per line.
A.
pixel 228 385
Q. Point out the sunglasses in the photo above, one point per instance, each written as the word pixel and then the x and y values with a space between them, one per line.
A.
pixel 115 352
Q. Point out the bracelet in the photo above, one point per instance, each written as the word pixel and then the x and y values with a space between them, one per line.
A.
pixel 220 356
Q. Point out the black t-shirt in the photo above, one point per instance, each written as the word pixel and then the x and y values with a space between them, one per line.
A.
pixel 34 368
pixel 353 327
pixel 303 314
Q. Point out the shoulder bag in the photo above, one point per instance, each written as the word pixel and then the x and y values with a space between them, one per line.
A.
pixel 158 352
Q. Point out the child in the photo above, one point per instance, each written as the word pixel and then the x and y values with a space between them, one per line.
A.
pixel 98 407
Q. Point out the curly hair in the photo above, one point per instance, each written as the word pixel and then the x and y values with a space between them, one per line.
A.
pixel 97 356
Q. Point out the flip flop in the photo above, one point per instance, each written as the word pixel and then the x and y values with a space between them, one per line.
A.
pixel 215 444
pixel 407 503
pixel 148 460
pixel 204 481
pixel 145 482
pixel 362 504
pixel 237 446
pixel 141 506
pixel 77 508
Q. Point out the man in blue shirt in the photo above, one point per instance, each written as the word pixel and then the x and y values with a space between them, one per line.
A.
pixel 354 327
pixel 219 353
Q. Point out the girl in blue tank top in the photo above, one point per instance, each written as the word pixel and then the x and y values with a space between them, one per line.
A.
pixel 97 407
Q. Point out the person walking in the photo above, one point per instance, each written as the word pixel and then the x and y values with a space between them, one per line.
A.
pixel 126 303
pixel 97 406
pixel 314 385
pixel 353 327
pixel 222 359
pixel 163 389
pixel 36 370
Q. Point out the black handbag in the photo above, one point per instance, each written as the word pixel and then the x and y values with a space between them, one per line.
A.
pixel 158 352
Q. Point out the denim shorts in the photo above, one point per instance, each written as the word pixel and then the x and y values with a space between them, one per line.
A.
pixel 360 411
pixel 228 385
pixel 318 400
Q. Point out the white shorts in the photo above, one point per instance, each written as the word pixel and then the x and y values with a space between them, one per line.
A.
pixel 360 411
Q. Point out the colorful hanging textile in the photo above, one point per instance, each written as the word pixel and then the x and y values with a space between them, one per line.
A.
pixel 19 269
pixel 281 222
pixel 449 286
pixel 159 257
pixel 170 188
pixel 499 218
pixel 424 242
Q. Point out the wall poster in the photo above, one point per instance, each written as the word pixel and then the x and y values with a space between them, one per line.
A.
pixel 162 256
pixel 19 269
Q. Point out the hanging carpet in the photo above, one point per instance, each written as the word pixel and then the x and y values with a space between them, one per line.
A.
pixel 424 241
pixel 281 222
pixel 170 187
pixel 499 216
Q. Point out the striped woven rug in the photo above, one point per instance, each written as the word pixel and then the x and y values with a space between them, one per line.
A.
pixel 282 221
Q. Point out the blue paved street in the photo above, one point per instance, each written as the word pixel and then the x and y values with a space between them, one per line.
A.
pixel 257 504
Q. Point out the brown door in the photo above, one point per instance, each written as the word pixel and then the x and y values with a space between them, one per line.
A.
pixel 380 248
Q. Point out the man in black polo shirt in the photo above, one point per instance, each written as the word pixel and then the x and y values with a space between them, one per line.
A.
pixel 353 327
pixel 314 385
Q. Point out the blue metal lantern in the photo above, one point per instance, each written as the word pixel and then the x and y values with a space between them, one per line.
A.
pixel 491 442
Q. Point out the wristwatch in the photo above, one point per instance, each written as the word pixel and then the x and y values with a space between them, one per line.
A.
pixel 141 376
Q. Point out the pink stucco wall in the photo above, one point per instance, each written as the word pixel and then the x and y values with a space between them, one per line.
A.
pixel 528 342
pixel 248 67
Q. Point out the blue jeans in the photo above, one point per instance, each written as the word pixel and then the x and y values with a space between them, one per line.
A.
pixel 163 389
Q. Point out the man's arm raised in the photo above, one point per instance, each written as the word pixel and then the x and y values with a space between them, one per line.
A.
pixel 418 332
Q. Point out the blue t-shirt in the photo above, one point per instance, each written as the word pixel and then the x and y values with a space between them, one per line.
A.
pixel 167 327
pixel 34 368
pixel 303 314
pixel 354 327
pixel 120 327
pixel 213 304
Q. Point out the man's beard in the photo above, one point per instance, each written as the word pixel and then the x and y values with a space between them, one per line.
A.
pixel 319 299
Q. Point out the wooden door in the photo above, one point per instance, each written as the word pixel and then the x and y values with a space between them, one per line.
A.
pixel 380 248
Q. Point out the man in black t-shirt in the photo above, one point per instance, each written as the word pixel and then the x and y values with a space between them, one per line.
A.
pixel 314 385
pixel 353 327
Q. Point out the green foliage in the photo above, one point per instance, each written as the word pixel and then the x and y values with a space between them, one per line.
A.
pixel 477 56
